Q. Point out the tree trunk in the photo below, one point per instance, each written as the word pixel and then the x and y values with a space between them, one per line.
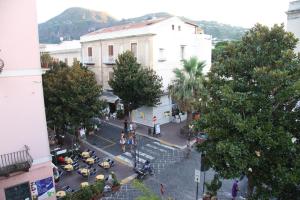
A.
pixel 250 186
pixel 189 117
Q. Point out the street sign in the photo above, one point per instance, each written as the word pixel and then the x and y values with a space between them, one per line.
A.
pixel 197 176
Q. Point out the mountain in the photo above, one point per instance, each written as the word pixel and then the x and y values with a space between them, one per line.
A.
pixel 74 22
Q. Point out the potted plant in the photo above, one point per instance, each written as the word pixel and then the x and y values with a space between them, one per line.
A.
pixel 213 187
pixel 116 184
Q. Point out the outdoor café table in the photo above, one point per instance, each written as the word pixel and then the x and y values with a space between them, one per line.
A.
pixel 68 167
pixel 68 160
pixel 85 154
pixel 84 171
pixel 84 184
pixel 90 161
pixel 60 194
pixel 100 177
pixel 105 165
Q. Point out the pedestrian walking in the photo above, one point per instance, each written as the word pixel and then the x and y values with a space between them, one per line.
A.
pixel 235 189
pixel 162 190
pixel 130 127
pixel 188 148
pixel 123 142
pixel 126 126
pixel 130 140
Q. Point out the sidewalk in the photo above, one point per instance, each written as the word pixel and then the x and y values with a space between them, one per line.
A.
pixel 170 132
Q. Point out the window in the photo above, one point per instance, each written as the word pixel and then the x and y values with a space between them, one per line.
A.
pixel 110 75
pixel 182 52
pixel 74 60
pixel 66 61
pixel 90 51
pixel 110 50
pixel 134 49
pixel 173 27
pixel 21 191
pixel 179 28
pixel 161 54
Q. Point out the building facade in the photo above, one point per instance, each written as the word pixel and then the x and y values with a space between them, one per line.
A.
pixel 159 44
pixel 293 20
pixel 67 51
pixel 25 161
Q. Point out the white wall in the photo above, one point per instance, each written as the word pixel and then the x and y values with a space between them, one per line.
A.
pixel 198 45
pixel 160 110
pixel 143 115
pixel 293 22
pixel 96 58
pixel 61 56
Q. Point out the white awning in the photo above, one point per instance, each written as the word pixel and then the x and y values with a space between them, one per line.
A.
pixel 109 97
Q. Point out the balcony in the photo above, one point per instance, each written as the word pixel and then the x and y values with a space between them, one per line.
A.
pixel 89 61
pixel 15 162
pixel 109 61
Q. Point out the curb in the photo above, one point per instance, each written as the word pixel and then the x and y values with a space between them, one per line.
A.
pixel 153 138
pixel 128 179
pixel 122 161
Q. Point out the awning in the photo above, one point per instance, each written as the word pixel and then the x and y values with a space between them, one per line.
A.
pixel 109 97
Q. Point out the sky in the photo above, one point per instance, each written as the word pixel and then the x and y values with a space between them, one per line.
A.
pixel 243 13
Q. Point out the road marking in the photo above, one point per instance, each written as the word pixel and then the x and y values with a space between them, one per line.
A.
pixel 124 159
pixel 129 155
pixel 165 146
pixel 145 155
pixel 105 139
pixel 155 147
pixel 108 146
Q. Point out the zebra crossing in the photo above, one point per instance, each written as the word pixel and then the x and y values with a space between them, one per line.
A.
pixel 152 151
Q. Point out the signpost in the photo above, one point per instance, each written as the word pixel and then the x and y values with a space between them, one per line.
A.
pixel 197 180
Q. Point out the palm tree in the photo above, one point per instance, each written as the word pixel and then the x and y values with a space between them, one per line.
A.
pixel 187 85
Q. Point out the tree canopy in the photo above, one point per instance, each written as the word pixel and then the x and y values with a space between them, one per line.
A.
pixel 250 113
pixel 135 85
pixel 71 95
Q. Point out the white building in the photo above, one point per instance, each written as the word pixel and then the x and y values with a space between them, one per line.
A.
pixel 66 51
pixel 159 44
pixel 293 20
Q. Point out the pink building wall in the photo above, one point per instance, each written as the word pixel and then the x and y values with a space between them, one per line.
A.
pixel 22 111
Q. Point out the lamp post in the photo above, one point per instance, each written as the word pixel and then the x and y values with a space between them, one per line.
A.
pixel 203 168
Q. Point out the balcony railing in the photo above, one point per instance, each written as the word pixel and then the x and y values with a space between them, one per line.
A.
pixel 15 162
pixel 89 60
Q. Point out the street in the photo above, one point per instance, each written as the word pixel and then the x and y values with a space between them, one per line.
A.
pixel 171 168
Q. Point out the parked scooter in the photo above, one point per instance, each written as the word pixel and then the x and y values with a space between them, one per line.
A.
pixel 144 171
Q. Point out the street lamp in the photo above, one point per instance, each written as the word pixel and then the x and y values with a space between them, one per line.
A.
pixel 203 168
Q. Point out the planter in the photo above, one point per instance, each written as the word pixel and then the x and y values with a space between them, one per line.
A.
pixel 116 188
pixel 98 196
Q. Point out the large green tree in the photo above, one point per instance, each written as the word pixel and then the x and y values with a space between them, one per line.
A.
pixel 185 89
pixel 250 113
pixel 71 96
pixel 136 85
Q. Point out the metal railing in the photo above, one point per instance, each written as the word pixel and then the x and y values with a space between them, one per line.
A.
pixel 15 162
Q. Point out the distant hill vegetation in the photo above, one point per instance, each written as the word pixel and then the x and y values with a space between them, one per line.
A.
pixel 74 22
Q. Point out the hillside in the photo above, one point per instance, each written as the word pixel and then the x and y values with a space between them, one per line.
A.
pixel 74 22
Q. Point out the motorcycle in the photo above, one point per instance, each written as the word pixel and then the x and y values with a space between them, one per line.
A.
pixel 144 171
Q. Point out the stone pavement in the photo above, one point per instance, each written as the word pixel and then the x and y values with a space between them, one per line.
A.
pixel 178 180
pixel 170 132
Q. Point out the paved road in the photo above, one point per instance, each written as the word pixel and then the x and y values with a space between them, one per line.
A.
pixel 171 168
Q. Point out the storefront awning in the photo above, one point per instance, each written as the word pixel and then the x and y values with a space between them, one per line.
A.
pixel 109 97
